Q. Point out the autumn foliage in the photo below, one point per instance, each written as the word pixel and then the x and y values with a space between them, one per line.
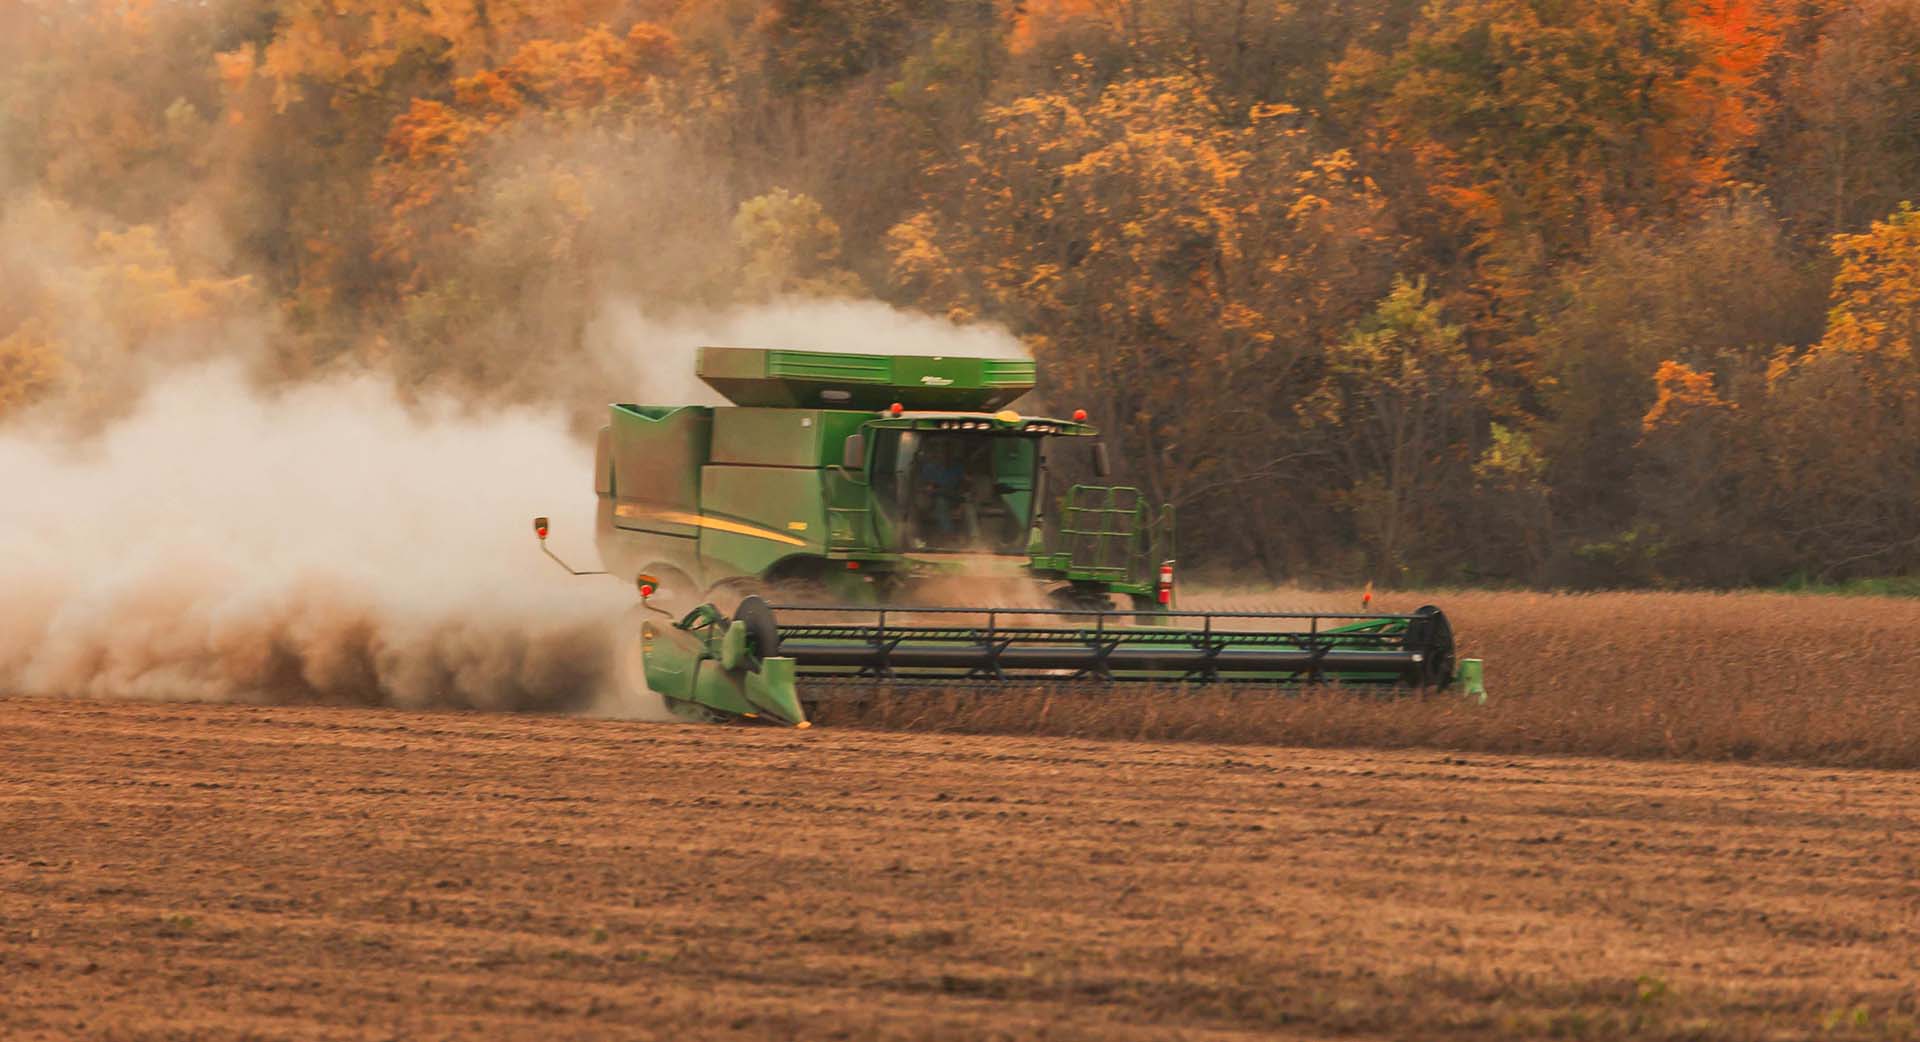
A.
pixel 1508 291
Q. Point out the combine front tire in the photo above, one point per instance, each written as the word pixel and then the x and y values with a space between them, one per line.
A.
pixel 756 620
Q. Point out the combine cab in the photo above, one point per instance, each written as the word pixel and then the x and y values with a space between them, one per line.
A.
pixel 857 486
pixel 860 479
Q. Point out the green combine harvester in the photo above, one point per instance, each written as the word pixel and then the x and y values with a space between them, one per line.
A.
pixel 862 490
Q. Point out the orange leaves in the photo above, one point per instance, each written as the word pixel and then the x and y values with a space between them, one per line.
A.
pixel 591 70
pixel 1569 118
pixel 235 68
pixel 652 49
pixel 1035 20
pixel 594 69
pixel 490 95
pixel 429 143
pixel 1717 105
pixel 1681 393
pixel 577 73
pixel 429 148
pixel 429 134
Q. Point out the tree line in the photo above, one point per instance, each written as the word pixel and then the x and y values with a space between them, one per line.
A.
pixel 1480 291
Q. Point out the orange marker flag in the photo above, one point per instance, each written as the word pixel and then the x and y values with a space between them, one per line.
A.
pixel 1366 599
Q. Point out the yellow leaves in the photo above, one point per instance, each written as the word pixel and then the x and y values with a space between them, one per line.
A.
pixel 917 260
pixel 87 306
pixel 1261 112
pixel 145 293
pixel 357 45
pixel 1682 394
pixel 1510 460
pixel 30 365
pixel 1876 292
pixel 543 75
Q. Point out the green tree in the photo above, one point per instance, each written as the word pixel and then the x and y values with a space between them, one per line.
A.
pixel 788 245
pixel 1404 409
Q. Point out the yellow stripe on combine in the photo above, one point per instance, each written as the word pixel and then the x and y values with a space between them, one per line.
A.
pixel 717 524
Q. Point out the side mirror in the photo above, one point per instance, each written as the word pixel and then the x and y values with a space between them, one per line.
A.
pixel 853 454
pixel 1102 467
pixel 540 528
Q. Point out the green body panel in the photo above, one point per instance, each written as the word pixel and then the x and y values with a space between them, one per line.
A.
pixel 782 437
pixel 782 509
pixel 700 496
pixel 801 379
pixel 655 462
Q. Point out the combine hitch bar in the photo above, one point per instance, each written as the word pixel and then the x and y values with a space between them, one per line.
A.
pixel 709 667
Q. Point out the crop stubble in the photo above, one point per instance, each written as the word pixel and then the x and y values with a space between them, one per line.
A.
pixel 1746 676
pixel 224 872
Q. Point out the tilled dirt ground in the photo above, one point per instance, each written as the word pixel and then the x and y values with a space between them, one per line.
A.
pixel 216 872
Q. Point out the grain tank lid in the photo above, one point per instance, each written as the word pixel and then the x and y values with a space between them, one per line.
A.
pixel 830 380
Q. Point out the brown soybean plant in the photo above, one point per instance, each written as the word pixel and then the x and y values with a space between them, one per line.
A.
pixel 1695 676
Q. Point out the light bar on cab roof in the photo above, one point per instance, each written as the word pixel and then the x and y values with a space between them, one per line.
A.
pixel 987 425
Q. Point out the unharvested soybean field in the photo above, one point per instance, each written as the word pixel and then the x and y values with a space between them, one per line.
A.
pixel 229 872
pixel 1751 677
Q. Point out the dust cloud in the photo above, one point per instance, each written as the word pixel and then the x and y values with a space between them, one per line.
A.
pixel 323 543
pixel 207 538
pixel 207 492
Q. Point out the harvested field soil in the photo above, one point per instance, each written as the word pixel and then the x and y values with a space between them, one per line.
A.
pixel 228 872
pixel 1743 676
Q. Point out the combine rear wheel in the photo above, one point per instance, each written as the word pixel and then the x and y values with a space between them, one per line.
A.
pixel 729 594
pixel 1080 598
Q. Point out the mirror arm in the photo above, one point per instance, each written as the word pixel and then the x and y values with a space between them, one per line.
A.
pixel 540 529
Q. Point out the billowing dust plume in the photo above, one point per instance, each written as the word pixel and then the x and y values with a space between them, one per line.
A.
pixel 215 486
pixel 319 544
pixel 324 542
